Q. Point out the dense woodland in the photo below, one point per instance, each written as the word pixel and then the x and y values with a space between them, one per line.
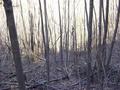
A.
pixel 59 45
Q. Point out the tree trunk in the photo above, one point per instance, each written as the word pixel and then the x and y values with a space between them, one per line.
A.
pixel 14 43
pixel 98 57
pixel 31 35
pixel 114 36
pixel 60 26
pixel 67 35
pixel 46 42
pixel 105 33
pixel 42 25
pixel 89 72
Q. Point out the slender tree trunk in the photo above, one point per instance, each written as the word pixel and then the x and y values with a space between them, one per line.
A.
pixel 14 43
pixel 86 12
pixel 55 47
pixel 114 36
pixel 98 57
pixel 60 26
pixel 75 42
pixel 84 31
pixel 67 35
pixel 95 27
pixel 45 36
pixel 38 40
pixel 105 33
pixel 46 42
pixel 89 44
pixel 65 30
pixel 42 25
pixel 31 35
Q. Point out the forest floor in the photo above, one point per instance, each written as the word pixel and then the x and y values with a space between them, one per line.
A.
pixel 61 77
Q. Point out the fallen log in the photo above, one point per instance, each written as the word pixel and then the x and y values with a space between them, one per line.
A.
pixel 44 83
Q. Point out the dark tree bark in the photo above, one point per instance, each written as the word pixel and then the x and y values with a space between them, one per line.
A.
pixel 105 32
pixel 31 35
pixel 89 47
pixel 86 12
pixel 98 57
pixel 46 42
pixel 114 36
pixel 100 21
pixel 14 43
pixel 45 36
pixel 42 25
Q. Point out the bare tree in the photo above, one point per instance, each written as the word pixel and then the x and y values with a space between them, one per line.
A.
pixel 46 41
pixel 14 43
pixel 67 34
pixel 105 32
pixel 85 16
pixel 45 36
pixel 95 27
pixel 114 36
pixel 75 41
pixel 86 12
pixel 89 47
pixel 60 26
pixel 65 29
pixel 98 57
pixel 31 35
pixel 42 25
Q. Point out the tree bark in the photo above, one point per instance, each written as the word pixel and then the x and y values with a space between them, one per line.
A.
pixel 31 35
pixel 105 33
pixel 60 26
pixel 67 35
pixel 46 42
pixel 14 43
pixel 98 57
pixel 89 47
pixel 114 36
